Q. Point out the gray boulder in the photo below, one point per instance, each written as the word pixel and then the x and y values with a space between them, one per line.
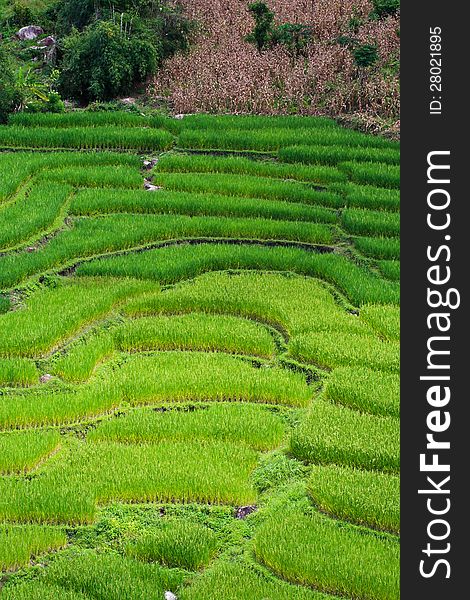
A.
pixel 30 32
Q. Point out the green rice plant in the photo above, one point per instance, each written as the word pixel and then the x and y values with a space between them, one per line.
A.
pixel 317 551
pixel 332 155
pixel 367 196
pixel 256 426
pixel 79 362
pixel 378 174
pixel 254 122
pixel 364 497
pixel 91 237
pixel 34 212
pixel 37 590
pixel 183 261
pixel 117 176
pixel 85 475
pixel 238 581
pixel 35 329
pixel 18 372
pixel 381 248
pixel 272 139
pixel 196 332
pixel 93 202
pixel 5 304
pixel 390 269
pixel 332 434
pixel 100 576
pixel 177 543
pixel 346 349
pixel 160 377
pixel 19 543
pixel 86 119
pixel 238 165
pixel 289 303
pixel 383 319
pixel 85 138
pixel 359 221
pixel 247 186
pixel 18 167
pixel 365 390
pixel 21 451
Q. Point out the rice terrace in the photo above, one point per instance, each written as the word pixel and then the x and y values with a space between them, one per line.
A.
pixel 199 358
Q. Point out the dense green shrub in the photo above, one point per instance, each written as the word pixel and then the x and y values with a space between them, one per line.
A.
pixel 365 55
pixel 384 8
pixel 103 61
pixel 264 19
pixel 9 96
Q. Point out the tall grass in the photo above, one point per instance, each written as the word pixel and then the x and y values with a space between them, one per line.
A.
pixel 381 248
pixel 178 543
pixel 254 122
pixel 359 221
pixel 317 551
pixel 19 543
pixel 247 186
pixel 272 139
pixel 346 349
pixel 383 319
pixel 236 165
pixel 35 329
pixel 378 174
pixel 368 196
pixel 78 575
pixel 332 155
pixel 94 202
pixel 255 426
pixel 86 119
pixel 333 434
pixel 207 471
pixel 174 263
pixel 33 213
pixel 365 390
pixel 117 176
pixel 85 138
pixel 364 497
pixel 81 359
pixel 390 269
pixel 18 372
pixel 21 451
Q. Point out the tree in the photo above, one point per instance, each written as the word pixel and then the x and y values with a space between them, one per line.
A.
pixel 261 35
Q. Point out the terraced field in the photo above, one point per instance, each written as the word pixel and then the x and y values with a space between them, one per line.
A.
pixel 199 381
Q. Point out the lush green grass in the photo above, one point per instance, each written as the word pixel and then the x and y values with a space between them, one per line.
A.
pixel 81 359
pixel 237 165
pixel 364 497
pixel 85 138
pixel 160 377
pixel 119 176
pixel 35 329
pixel 34 212
pixel 390 269
pixel 90 237
pixel 332 155
pixel 378 247
pixel 86 119
pixel 384 319
pixel 291 303
pixel 254 122
pixel 368 196
pixel 365 390
pixel 380 175
pixel 180 544
pixel 247 186
pixel 317 551
pixel 85 474
pixel 100 576
pixel 21 451
pixel 18 372
pixel 369 222
pixel 272 139
pixel 172 264
pixel 238 581
pixel 347 349
pixel 17 167
pixel 255 426
pixel 19 543
pixel 332 434
pixel 94 202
